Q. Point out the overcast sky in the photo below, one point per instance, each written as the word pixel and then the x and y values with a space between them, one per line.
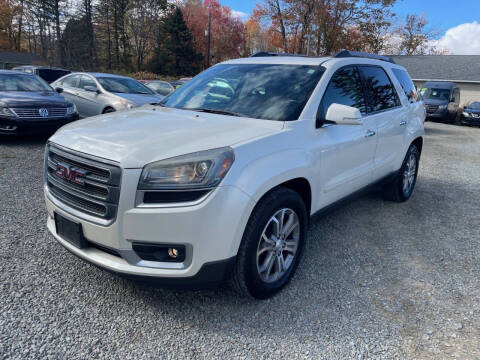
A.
pixel 457 21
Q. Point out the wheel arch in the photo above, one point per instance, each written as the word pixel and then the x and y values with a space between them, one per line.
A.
pixel 107 107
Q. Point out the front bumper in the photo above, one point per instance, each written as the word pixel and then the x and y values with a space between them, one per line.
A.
pixel 211 232
pixel 15 126
pixel 468 120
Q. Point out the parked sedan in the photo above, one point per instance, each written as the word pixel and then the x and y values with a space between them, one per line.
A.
pixel 98 93
pixel 29 105
pixel 471 114
pixel 163 88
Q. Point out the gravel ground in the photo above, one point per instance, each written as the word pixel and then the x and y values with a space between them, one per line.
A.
pixel 379 280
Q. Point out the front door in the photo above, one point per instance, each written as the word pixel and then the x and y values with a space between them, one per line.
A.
pixel 346 151
pixel 88 102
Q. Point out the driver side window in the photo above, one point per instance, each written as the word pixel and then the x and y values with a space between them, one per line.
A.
pixel 345 88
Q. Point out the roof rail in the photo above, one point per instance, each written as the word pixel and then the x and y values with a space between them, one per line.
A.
pixel 361 54
pixel 268 53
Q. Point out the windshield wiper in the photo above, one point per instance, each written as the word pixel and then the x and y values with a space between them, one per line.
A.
pixel 216 111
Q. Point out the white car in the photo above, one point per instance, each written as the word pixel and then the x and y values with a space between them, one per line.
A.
pixel 219 180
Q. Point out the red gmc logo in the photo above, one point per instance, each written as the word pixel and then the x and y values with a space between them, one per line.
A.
pixel 74 175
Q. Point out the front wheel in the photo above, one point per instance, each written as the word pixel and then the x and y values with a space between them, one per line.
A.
pixel 272 244
pixel 401 188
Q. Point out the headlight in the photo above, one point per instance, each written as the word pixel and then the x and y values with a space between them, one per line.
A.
pixel 127 104
pixel 199 170
pixel 71 110
pixel 465 113
pixel 6 112
pixel 442 107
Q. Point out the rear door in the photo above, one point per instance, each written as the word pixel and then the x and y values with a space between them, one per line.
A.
pixel 88 100
pixel 347 151
pixel 70 88
pixel 386 111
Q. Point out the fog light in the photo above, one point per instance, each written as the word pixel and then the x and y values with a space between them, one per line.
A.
pixel 173 253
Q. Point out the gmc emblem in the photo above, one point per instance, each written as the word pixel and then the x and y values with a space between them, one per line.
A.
pixel 74 175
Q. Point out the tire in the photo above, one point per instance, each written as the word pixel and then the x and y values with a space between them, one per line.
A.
pixel 108 110
pixel 255 253
pixel 401 188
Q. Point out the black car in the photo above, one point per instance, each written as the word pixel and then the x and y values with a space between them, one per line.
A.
pixel 28 105
pixel 49 74
pixel 441 99
pixel 471 114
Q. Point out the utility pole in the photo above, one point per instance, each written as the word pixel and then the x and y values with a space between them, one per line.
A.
pixel 208 39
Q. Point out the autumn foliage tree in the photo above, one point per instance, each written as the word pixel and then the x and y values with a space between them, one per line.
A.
pixel 227 31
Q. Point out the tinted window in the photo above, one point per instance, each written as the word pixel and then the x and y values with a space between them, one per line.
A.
pixel 260 91
pixel 380 91
pixel 87 81
pixel 23 82
pixel 345 88
pixel 70 81
pixel 50 75
pixel 123 85
pixel 407 84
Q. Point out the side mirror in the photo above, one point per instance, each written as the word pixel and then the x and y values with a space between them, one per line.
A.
pixel 59 90
pixel 343 115
pixel 91 89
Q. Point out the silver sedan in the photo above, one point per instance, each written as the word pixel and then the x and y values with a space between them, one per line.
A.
pixel 98 93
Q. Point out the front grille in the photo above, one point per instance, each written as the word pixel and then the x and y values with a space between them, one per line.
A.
pixel 431 108
pixel 35 113
pixel 98 192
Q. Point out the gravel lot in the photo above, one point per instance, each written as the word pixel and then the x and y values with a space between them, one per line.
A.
pixel 378 280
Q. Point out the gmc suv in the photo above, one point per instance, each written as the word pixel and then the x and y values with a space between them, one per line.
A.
pixel 219 179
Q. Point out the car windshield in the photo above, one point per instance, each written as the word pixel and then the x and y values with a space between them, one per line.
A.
pixel 21 82
pixel 437 94
pixel 474 106
pixel 123 85
pixel 272 92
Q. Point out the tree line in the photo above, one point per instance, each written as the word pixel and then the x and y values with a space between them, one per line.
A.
pixel 170 38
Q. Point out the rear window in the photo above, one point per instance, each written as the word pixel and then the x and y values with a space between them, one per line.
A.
pixel 50 75
pixel 407 84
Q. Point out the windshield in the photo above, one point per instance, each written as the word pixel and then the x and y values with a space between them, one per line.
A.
pixel 436 94
pixel 123 85
pixel 272 92
pixel 474 106
pixel 21 82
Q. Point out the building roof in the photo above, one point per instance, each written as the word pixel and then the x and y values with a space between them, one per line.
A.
pixel 457 68
pixel 11 57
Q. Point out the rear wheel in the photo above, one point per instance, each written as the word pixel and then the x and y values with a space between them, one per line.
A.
pixel 272 244
pixel 401 188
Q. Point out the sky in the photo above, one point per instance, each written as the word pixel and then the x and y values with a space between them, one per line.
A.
pixel 456 21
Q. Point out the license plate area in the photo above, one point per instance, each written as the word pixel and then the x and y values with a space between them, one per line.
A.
pixel 70 231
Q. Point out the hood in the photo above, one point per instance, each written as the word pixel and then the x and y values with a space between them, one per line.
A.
pixel 137 137
pixel 32 99
pixel 471 110
pixel 141 99
pixel 435 101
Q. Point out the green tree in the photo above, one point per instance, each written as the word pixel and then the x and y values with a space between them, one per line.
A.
pixel 175 53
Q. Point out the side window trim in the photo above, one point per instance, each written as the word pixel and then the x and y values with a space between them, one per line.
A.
pixel 355 66
pixel 365 86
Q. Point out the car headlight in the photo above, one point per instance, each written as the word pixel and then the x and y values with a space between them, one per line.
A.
pixel 465 113
pixel 71 110
pixel 6 112
pixel 199 170
pixel 442 107
pixel 127 104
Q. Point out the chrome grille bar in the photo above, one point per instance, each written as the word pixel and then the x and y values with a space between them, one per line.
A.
pixel 34 113
pixel 97 190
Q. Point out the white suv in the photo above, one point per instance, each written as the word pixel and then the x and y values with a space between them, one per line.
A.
pixel 218 181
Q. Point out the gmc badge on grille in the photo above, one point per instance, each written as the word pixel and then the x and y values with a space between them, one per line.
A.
pixel 74 175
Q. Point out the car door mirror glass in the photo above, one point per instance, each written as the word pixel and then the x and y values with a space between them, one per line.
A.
pixel 59 90
pixel 343 115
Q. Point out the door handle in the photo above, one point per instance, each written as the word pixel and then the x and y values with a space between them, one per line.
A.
pixel 403 123
pixel 370 133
